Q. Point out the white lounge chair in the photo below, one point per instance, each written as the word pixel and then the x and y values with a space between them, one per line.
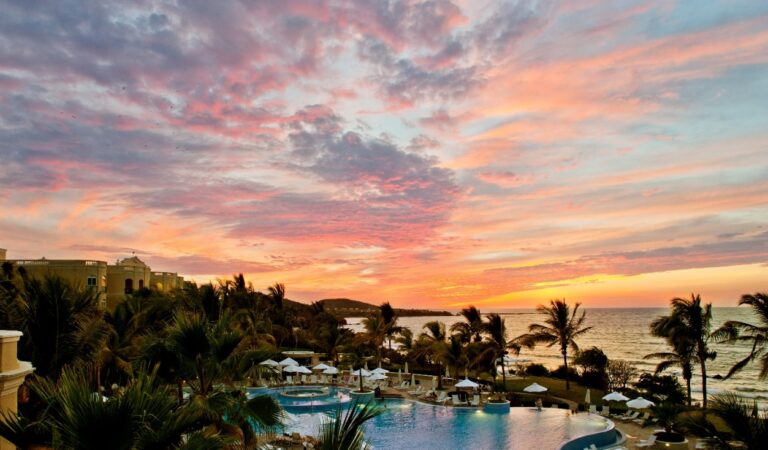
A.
pixel 605 411
pixel 641 420
pixel 593 409
pixel 313 379
pixel 647 443
pixel 443 396
pixel 417 391
pixel 630 416
pixel 456 401
pixel 475 400
pixel 289 379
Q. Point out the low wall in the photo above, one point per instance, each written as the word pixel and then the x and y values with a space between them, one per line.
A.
pixel 605 438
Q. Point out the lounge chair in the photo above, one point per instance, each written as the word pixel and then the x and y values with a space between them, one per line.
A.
pixel 289 379
pixel 475 400
pixel 456 401
pixel 605 411
pixel 647 443
pixel 443 396
pixel 417 391
pixel 629 416
pixel 313 379
pixel 641 420
pixel 593 409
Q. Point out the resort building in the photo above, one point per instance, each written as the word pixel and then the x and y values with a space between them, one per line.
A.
pixel 112 281
pixel 79 272
pixel 124 277
pixel 12 373
pixel 166 281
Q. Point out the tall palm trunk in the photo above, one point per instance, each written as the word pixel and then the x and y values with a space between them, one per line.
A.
pixel 180 387
pixel 703 365
pixel 439 376
pixel 567 375
pixel 97 367
pixel 503 375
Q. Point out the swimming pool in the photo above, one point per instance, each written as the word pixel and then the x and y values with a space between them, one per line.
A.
pixel 412 425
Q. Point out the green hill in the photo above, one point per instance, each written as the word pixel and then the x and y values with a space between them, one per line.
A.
pixel 345 307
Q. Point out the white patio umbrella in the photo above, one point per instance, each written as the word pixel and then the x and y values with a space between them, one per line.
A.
pixel 380 370
pixel 399 376
pixel 466 383
pixel 331 371
pixel 406 367
pixel 615 397
pixel 377 377
pixel 291 369
pixel 288 362
pixel 413 379
pixel 321 366
pixel 535 387
pixel 588 398
pixel 361 373
pixel 302 369
pixel 269 362
pixel 640 403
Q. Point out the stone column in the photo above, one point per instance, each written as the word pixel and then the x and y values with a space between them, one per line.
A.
pixel 12 373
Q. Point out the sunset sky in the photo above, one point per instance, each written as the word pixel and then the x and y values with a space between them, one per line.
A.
pixel 429 153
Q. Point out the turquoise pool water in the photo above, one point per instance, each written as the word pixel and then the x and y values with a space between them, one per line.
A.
pixel 418 426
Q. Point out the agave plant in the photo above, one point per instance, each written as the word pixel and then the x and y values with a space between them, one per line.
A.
pixel 345 431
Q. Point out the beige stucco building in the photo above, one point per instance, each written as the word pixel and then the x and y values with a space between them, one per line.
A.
pixel 166 281
pixel 79 272
pixel 12 373
pixel 112 281
pixel 124 277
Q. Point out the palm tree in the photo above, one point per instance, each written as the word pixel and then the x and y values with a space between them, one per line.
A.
pixel 345 432
pixel 143 417
pixel 496 329
pixel 207 350
pixel 405 338
pixel 376 330
pixel 561 327
pixel 472 329
pixel 683 357
pixel 389 316
pixel 431 344
pixel 454 356
pixel 689 324
pixel 736 331
pixel 62 324
pixel 333 337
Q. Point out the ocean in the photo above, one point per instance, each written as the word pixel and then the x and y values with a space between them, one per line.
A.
pixel 624 334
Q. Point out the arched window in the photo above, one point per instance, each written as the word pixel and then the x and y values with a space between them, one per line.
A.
pixel 129 285
pixel 141 284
